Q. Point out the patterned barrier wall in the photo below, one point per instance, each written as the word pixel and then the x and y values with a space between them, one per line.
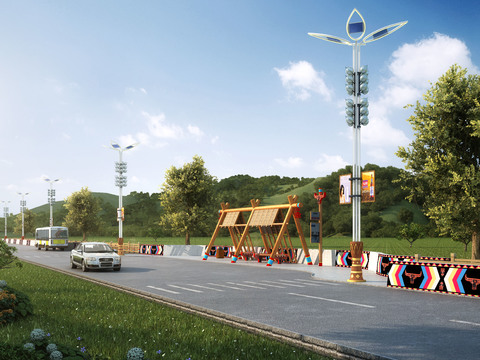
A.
pixel 385 262
pixel 151 249
pixel 344 258
pixel 445 278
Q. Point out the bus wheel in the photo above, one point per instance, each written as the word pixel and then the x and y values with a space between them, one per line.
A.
pixel 46 248
pixel 39 248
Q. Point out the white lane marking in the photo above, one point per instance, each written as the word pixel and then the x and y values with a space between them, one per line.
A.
pixel 288 282
pixel 333 300
pixel 263 284
pixel 184 288
pixel 204 287
pixel 465 322
pixel 250 286
pixel 169 291
pixel 318 282
pixel 226 286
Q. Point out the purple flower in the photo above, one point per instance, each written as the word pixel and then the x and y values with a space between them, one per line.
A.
pixel 83 349
pixel 79 338
pixel 159 352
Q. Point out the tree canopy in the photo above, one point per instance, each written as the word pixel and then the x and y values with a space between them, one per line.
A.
pixel 83 209
pixel 188 199
pixel 443 161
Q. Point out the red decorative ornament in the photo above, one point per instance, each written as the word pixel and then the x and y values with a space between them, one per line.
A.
pixel 320 196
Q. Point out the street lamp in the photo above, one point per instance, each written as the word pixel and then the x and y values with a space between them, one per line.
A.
pixel 51 197
pixel 357 115
pixel 121 182
pixel 5 214
pixel 23 205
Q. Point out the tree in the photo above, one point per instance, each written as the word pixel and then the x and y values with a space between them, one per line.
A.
pixel 443 162
pixel 188 199
pixel 410 232
pixel 28 223
pixel 6 255
pixel 83 209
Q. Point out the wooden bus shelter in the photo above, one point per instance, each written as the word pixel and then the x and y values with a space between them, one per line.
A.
pixel 272 224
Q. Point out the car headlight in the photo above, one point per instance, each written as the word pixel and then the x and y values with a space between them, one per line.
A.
pixel 91 258
pixel 116 260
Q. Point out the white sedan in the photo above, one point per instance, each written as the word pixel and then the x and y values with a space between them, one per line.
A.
pixel 95 255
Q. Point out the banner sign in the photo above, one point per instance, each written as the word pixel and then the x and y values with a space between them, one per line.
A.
pixel 368 186
pixel 445 278
pixel 344 258
pixel 345 189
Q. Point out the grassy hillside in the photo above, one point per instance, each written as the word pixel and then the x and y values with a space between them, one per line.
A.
pixel 285 190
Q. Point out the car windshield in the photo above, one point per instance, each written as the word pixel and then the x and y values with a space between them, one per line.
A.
pixel 97 248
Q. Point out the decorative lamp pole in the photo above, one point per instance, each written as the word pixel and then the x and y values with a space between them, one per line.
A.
pixel 320 196
pixel 23 206
pixel 357 115
pixel 51 197
pixel 5 214
pixel 121 182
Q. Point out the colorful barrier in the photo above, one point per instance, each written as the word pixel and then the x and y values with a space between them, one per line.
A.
pixel 150 249
pixel 385 262
pixel 344 258
pixel 445 278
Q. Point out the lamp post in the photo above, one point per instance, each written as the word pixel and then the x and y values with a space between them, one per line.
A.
pixel 51 197
pixel 23 205
pixel 357 115
pixel 121 182
pixel 5 214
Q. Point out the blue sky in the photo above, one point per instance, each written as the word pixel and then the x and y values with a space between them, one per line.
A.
pixel 239 83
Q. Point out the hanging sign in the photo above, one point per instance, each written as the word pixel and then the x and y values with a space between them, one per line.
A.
pixel 345 189
pixel 368 186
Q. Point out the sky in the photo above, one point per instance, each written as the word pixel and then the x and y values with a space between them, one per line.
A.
pixel 239 83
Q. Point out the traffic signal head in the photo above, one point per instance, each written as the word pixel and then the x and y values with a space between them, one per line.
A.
pixel 350 81
pixel 364 111
pixel 363 76
pixel 349 112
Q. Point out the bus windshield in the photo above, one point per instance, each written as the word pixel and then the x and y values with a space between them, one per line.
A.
pixel 59 233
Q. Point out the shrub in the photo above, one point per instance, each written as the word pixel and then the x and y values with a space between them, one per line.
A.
pixel 13 304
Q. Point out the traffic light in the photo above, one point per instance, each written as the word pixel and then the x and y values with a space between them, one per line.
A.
pixel 349 112
pixel 363 76
pixel 350 81
pixel 363 111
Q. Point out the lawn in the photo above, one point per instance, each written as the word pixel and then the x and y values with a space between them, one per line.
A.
pixel 104 321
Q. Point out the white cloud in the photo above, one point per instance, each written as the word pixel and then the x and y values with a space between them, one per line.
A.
pixel 326 164
pixel 301 80
pixel 195 131
pixel 159 128
pixel 290 163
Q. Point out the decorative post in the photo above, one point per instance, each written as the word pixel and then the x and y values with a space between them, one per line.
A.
pixel 5 214
pixel 320 196
pixel 357 115
pixel 23 206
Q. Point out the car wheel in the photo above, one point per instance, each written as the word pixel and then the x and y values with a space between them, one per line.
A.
pixel 72 264
pixel 116 269
pixel 84 266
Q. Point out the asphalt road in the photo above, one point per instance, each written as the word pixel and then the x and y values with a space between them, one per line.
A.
pixel 393 323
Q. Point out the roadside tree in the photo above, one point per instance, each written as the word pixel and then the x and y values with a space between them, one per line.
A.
pixel 443 161
pixel 83 209
pixel 188 199
pixel 28 223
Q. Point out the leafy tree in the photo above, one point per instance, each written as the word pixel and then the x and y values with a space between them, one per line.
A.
pixel 6 255
pixel 405 216
pixel 28 222
pixel 188 199
pixel 83 209
pixel 410 232
pixel 443 162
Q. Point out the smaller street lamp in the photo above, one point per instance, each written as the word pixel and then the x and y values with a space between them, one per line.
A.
pixel 5 214
pixel 121 182
pixel 23 206
pixel 51 197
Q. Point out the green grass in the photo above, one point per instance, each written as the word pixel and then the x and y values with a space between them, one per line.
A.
pixel 110 323
pixel 433 247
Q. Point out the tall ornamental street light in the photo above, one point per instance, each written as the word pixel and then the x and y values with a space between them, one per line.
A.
pixel 51 197
pixel 23 206
pixel 5 214
pixel 357 115
pixel 121 182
